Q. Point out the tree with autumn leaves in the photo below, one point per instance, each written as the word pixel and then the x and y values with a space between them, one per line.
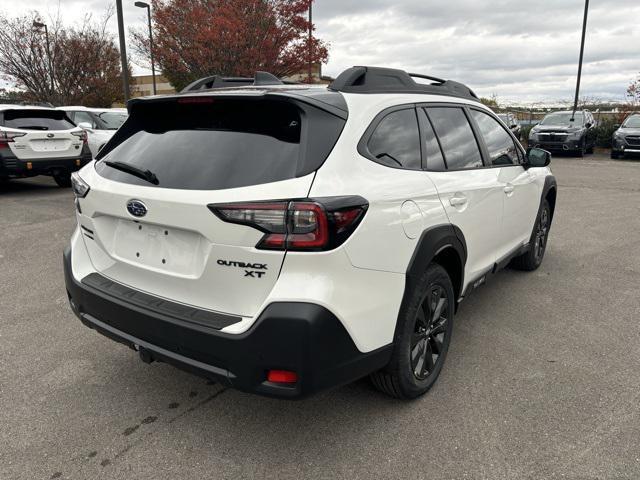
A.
pixel 198 38
pixel 80 67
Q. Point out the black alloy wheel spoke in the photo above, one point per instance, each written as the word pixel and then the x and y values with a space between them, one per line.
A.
pixel 427 340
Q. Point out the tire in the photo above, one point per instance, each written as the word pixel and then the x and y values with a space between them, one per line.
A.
pixel 532 259
pixel 63 180
pixel 590 150
pixel 583 148
pixel 615 155
pixel 425 325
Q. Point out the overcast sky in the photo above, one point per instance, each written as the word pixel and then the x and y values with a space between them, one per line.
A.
pixel 521 51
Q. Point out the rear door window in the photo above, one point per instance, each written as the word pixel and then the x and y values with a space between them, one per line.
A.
pixel 211 144
pixel 26 119
pixel 458 142
pixel 502 148
pixel 396 140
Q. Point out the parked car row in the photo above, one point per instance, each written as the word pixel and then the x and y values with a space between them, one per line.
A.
pixel 53 141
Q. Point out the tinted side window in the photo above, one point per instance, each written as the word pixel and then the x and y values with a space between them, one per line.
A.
pixel 502 148
pixel 396 140
pixel 434 160
pixel 456 137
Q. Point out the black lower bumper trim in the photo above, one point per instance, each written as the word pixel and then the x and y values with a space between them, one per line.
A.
pixel 301 337
pixel 13 167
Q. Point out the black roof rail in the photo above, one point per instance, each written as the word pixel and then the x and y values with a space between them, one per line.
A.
pixel 263 79
pixel 391 80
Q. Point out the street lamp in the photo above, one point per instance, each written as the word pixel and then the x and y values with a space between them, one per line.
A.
pixel 584 32
pixel 38 25
pixel 153 68
pixel 123 51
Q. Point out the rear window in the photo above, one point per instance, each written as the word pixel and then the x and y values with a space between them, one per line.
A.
pixel 113 120
pixel 36 120
pixel 206 143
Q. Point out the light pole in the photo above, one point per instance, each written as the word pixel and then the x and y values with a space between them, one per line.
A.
pixel 123 51
pixel 310 35
pixel 584 32
pixel 153 68
pixel 37 24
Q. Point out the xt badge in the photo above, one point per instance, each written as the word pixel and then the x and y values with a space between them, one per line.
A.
pixel 253 270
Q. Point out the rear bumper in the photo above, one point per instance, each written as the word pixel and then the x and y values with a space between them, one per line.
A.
pixel 11 166
pixel 301 337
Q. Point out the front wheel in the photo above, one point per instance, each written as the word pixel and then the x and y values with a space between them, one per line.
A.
pixel 63 179
pixel 422 337
pixel 615 155
pixel 532 259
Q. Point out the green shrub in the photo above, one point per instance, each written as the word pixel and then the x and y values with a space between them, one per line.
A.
pixel 604 132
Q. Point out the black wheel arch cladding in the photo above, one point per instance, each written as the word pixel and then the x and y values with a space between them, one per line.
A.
pixel 443 242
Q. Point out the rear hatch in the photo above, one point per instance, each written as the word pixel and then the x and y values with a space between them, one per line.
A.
pixel 147 218
pixel 41 134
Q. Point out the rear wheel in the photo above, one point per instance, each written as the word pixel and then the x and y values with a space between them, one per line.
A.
pixel 533 258
pixel 422 337
pixel 62 179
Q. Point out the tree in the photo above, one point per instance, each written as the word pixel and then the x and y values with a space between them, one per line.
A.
pixel 84 59
pixel 633 93
pixel 491 102
pixel 198 38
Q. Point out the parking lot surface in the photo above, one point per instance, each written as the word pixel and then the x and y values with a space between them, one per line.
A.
pixel 541 381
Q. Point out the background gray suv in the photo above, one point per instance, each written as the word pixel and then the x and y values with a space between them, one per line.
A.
pixel 626 140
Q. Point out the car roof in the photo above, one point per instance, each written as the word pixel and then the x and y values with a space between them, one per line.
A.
pixel 91 109
pixel 23 107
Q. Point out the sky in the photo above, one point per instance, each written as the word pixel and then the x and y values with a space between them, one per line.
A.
pixel 520 51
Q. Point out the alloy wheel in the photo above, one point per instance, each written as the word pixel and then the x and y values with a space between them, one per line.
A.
pixel 428 339
pixel 541 235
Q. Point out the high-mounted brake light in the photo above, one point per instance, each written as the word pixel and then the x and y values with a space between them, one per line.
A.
pixel 8 137
pixel 196 100
pixel 304 225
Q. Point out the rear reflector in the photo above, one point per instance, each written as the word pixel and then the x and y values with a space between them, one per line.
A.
pixel 282 376
pixel 307 225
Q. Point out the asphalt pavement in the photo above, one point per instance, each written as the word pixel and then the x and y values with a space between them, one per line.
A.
pixel 542 379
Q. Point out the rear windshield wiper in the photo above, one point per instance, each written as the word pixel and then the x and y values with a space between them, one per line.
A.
pixel 147 175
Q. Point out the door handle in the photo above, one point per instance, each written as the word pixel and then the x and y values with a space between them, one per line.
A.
pixel 458 201
pixel 509 189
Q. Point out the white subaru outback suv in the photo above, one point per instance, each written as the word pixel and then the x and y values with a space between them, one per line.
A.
pixel 40 141
pixel 285 239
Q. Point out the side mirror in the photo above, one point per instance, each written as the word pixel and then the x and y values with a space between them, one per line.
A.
pixel 537 157
pixel 589 125
pixel 85 125
pixel 617 125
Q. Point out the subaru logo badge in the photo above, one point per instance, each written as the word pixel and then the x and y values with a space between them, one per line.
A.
pixel 50 135
pixel 136 208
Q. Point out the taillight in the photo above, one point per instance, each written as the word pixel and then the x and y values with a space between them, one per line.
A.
pixel 82 134
pixel 298 225
pixel 8 137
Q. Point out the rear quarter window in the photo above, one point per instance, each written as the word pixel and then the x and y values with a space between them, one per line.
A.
pixel 212 143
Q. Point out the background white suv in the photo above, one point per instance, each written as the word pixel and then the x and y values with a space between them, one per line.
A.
pixel 286 239
pixel 99 123
pixel 40 141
